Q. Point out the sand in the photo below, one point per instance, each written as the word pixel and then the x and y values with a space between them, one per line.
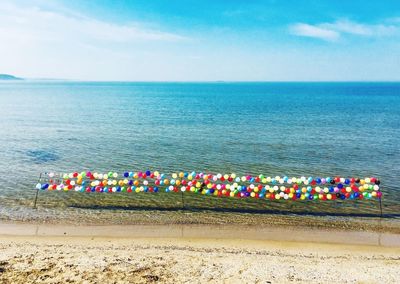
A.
pixel 194 254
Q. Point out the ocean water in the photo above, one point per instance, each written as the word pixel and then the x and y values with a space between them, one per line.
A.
pixel 311 129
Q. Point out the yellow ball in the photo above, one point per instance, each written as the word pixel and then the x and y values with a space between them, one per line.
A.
pixel 232 194
pixel 166 181
pixel 174 175
pixel 181 175
pixel 252 194
pixel 177 182
pixel 329 196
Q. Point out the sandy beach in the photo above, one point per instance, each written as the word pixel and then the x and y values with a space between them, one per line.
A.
pixel 195 254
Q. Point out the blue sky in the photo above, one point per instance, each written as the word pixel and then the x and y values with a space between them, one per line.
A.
pixel 201 40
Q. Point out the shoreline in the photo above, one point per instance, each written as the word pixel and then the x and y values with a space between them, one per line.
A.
pixel 206 231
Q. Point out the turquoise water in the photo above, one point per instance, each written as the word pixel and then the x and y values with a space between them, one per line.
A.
pixel 317 129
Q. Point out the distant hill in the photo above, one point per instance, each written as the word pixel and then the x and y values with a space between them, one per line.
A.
pixel 9 77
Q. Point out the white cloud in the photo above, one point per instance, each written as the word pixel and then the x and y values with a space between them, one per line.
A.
pixel 39 24
pixel 307 30
pixel 333 31
pixel 57 43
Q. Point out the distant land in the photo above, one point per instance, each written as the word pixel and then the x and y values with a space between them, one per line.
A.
pixel 9 77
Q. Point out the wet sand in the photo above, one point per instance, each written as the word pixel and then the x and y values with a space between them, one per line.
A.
pixel 32 253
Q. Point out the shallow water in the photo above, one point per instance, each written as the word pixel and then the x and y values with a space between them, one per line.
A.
pixel 311 129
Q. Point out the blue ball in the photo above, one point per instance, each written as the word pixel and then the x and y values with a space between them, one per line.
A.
pixel 93 189
pixel 340 186
pixel 331 189
pixel 126 174
pixel 118 188
pixel 148 173
pixel 298 195
pixel 356 194
pixel 130 182
pixel 347 181
pixel 342 196
pixel 311 197
pixel 318 180
pixel 155 189
pixel 45 186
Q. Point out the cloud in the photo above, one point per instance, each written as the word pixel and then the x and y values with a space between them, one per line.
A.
pixel 339 28
pixel 40 24
pixel 307 30
pixel 52 42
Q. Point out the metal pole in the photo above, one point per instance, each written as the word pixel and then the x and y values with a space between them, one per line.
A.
pixel 380 206
pixel 37 192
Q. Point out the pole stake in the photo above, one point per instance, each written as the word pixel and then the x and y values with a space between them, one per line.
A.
pixel 37 192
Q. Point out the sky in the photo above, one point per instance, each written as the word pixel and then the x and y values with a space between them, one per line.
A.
pixel 207 40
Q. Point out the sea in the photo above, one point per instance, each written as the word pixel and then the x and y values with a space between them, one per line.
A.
pixel 294 129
